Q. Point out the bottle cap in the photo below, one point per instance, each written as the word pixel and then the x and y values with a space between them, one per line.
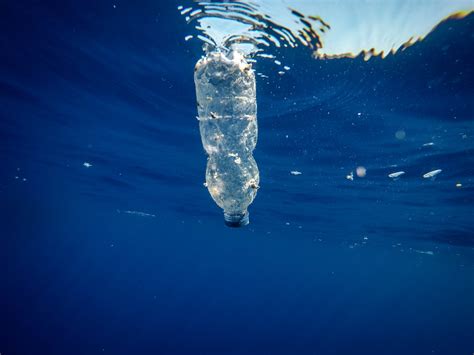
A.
pixel 236 220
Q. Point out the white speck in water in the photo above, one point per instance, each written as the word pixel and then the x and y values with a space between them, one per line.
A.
pixel 427 252
pixel 187 38
pixel 396 175
pixel 138 213
pixel 359 113
pixel 277 62
pixel 350 176
pixel 287 223
pixel 263 55
pixel 458 185
pixel 428 144
pixel 295 172
pixel 281 72
pixel 87 165
pixel 286 67
pixel 432 174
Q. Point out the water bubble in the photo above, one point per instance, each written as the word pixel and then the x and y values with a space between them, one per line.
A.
pixel 400 134
pixel 361 171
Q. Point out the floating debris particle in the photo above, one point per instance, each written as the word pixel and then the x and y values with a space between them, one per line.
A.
pixel 87 165
pixel 350 176
pixel 432 174
pixel 361 171
pixel 187 38
pixel 286 67
pixel 138 213
pixel 429 144
pixel 396 175
pixel 295 172
pixel 277 62
pixel 281 72
pixel 458 185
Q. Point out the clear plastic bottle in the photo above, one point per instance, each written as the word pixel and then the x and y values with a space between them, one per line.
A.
pixel 227 107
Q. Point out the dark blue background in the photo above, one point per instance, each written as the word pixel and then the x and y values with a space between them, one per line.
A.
pixel 327 265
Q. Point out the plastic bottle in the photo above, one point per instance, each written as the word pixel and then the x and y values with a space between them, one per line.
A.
pixel 227 107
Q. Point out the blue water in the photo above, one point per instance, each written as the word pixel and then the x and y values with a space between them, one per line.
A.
pixel 131 256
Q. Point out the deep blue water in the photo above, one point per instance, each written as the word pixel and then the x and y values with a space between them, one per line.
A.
pixel 131 255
